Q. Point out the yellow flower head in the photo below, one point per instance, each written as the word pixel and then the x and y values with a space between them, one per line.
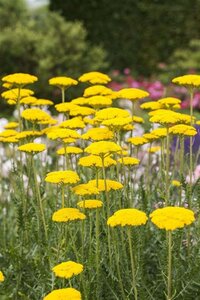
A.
pixel 8 133
pixel 133 94
pixel 73 123
pixel 35 115
pixel 129 161
pixel 20 79
pixel 110 185
pixel 63 177
pixel 169 102
pixel 182 129
pixel 62 81
pixel 171 218
pixel 28 133
pixel 68 214
pixel 137 119
pixel 29 100
pixel 14 94
pixel 63 294
pixel 10 139
pixel 127 217
pixel 117 123
pixel 85 189
pixel 81 111
pixel 42 102
pixel 79 101
pixel 64 107
pixel 159 132
pixel 111 113
pixel 69 150
pixel 90 204
pixel 98 134
pixel 97 90
pixel 62 133
pixel 102 148
pixel 32 148
pixel 176 183
pixel 96 161
pixel 2 278
pixel 151 105
pixel 154 149
pixel 190 80
pixel 137 140
pixel 95 78
pixel 67 269
pixel 164 116
pixel 150 136
pixel 98 101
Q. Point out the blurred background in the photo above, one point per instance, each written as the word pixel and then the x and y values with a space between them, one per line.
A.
pixel 139 43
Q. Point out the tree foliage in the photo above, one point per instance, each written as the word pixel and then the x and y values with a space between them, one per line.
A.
pixel 137 34
pixel 44 44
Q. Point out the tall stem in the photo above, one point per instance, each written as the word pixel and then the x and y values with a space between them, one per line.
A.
pixel 191 141
pixel 39 199
pixel 132 264
pixel 169 275
pixel 167 169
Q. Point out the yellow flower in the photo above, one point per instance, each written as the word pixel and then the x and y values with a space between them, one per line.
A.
pixel 8 133
pixel 20 79
pixel 190 80
pixel 29 100
pixel 137 119
pixel 64 107
pixel 85 189
pixel 73 123
pixel 62 133
pixel 171 218
pixel 2 278
pixel 151 105
pixel 154 149
pixel 63 294
pixel 89 120
pixel 28 133
pixel 129 161
pixel 63 177
pixel 81 111
pixel 14 93
pixel 79 101
pixel 127 217
pixel 117 123
pixel 182 129
pixel 35 115
pixel 98 134
pixel 95 78
pixel 90 204
pixel 10 139
pixel 163 116
pixel 98 101
pixel 32 148
pixel 97 90
pixel 132 94
pixel 102 148
pixel 137 140
pixel 96 161
pixel 42 102
pixel 159 132
pixel 149 136
pixel 110 184
pixel 68 214
pixel 69 150
pixel 67 269
pixel 169 102
pixel 62 81
pixel 11 125
pixel 111 113
pixel 176 183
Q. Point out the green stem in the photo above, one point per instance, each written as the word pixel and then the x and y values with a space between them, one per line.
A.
pixel 167 169
pixel 132 264
pixel 63 94
pixel 63 195
pixel 39 199
pixel 169 275
pixel 191 141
